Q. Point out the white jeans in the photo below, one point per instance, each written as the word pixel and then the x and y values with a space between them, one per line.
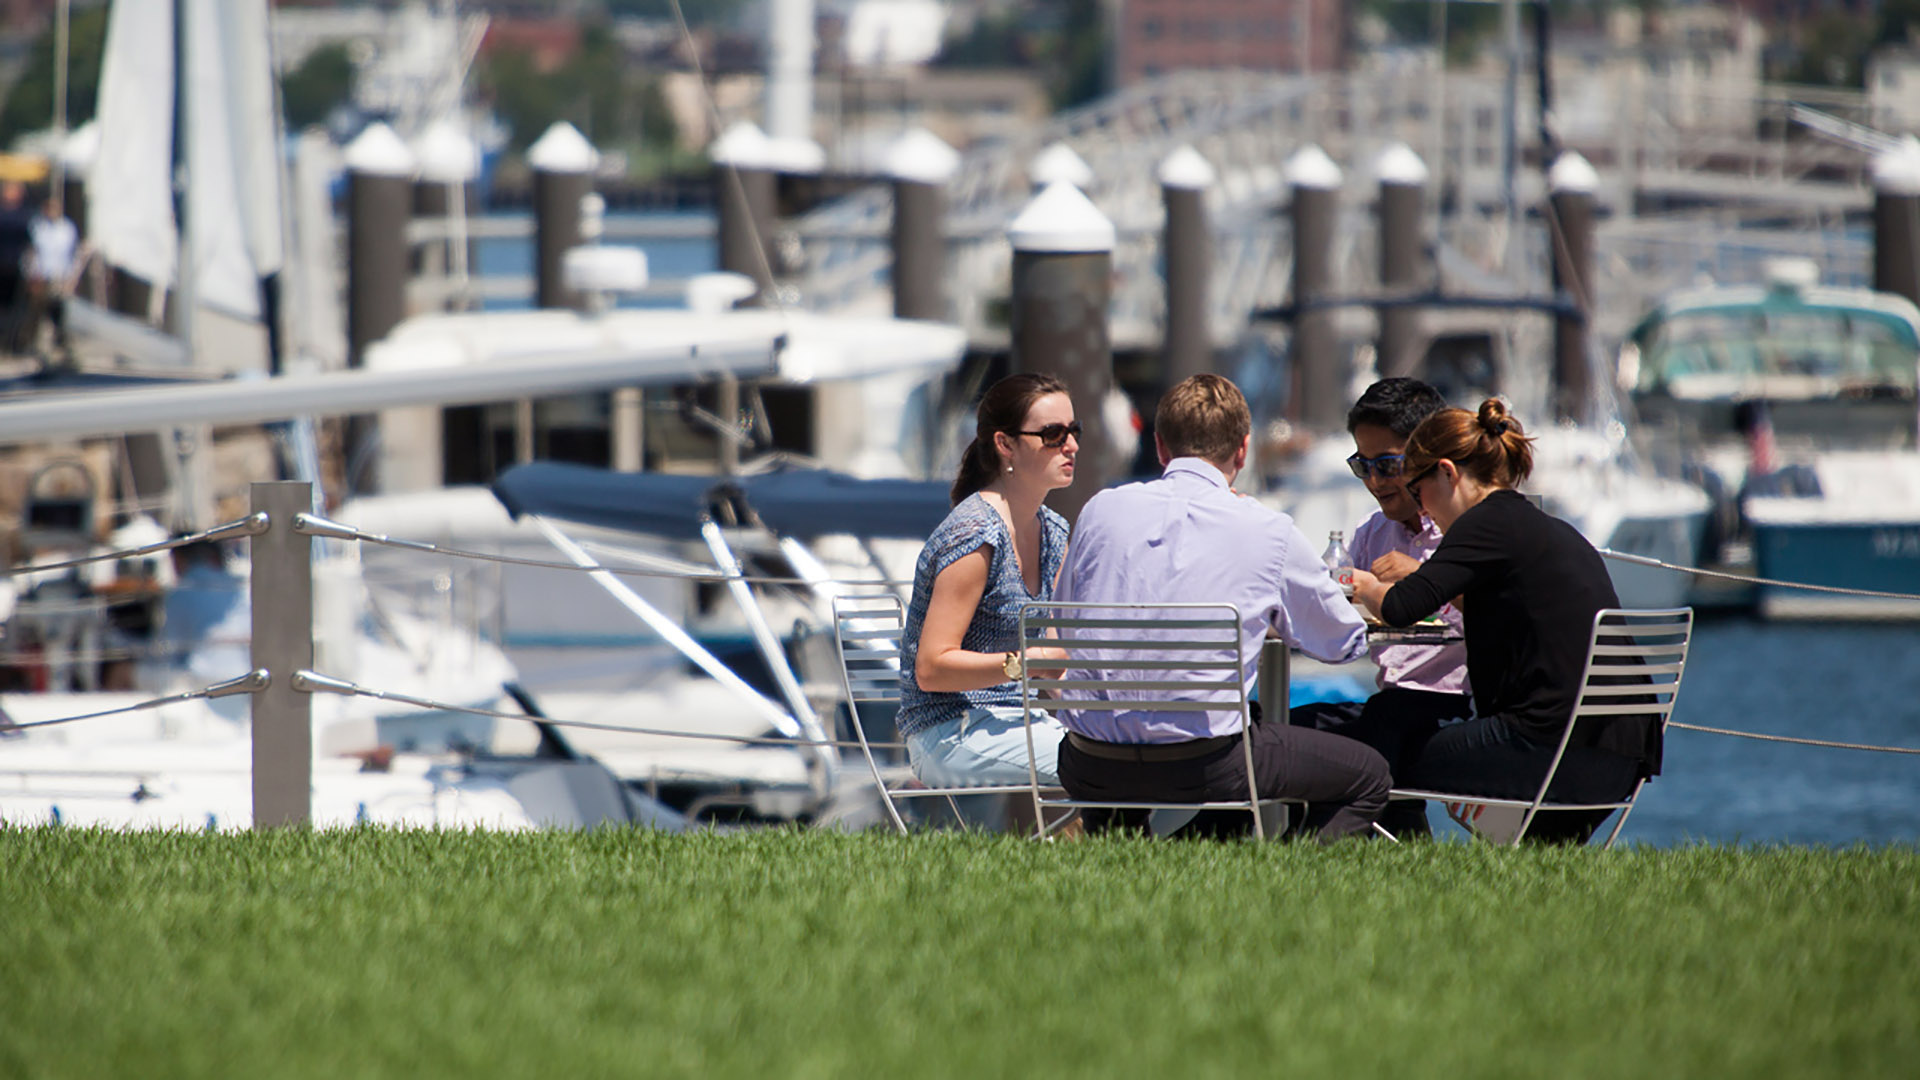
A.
pixel 986 746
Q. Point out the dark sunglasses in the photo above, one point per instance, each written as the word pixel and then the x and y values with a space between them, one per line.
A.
pixel 1054 435
pixel 1386 466
pixel 1414 482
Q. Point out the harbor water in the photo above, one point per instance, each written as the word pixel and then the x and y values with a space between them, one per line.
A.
pixel 1846 682
pixel 1857 682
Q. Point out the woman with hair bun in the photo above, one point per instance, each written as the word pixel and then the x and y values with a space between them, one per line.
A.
pixel 1530 586
pixel 1000 547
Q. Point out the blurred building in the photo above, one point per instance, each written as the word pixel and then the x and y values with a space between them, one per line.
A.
pixel 1703 62
pixel 858 113
pixel 1154 37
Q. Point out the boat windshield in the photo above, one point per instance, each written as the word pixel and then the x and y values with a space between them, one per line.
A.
pixel 1847 347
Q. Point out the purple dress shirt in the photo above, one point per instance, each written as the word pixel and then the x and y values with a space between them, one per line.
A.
pixel 1186 538
pixel 1441 669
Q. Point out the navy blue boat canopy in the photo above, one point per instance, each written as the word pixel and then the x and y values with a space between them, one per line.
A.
pixel 802 503
pixel 656 503
pixel 806 503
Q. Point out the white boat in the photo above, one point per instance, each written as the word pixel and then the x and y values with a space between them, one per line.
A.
pixel 1816 385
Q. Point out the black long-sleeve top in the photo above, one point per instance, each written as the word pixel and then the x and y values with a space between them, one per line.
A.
pixel 1531 585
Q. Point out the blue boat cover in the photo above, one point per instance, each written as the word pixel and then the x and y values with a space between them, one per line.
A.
pixel 802 503
pixel 806 503
pixel 655 503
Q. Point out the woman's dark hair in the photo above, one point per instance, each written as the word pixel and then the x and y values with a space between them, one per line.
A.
pixel 1397 404
pixel 1491 447
pixel 1004 407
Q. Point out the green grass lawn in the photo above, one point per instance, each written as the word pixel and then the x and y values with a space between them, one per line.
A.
pixel 815 954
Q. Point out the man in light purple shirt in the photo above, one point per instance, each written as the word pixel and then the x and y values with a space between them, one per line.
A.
pixel 1188 537
pixel 1420 686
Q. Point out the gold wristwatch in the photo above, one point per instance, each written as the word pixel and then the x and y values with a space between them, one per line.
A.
pixel 1014 665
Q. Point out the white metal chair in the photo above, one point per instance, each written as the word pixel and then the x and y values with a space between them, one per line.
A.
pixel 1139 657
pixel 1635 659
pixel 866 637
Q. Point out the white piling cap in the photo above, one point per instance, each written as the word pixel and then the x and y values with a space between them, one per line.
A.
pixel 717 291
pixel 921 157
pixel 1057 163
pixel 377 151
pixel 610 269
pixel 81 147
pixel 1897 171
pixel 1572 175
pixel 795 156
pixel 562 149
pixel 1186 170
pixel 445 153
pixel 1309 167
pixel 743 146
pixel 1400 166
pixel 1790 274
pixel 1061 219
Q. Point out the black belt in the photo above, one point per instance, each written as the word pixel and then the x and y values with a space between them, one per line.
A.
pixel 1173 751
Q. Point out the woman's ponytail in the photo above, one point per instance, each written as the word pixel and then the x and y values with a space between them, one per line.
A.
pixel 1513 451
pixel 1489 446
pixel 977 468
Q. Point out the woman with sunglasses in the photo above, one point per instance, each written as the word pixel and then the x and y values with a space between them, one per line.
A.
pixel 1530 585
pixel 1420 686
pixel 1000 547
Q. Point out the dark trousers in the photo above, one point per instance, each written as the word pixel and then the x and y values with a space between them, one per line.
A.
pixel 1397 722
pixel 1345 782
pixel 1489 756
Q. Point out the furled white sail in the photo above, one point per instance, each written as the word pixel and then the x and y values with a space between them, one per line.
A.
pixel 233 189
pixel 233 183
pixel 130 187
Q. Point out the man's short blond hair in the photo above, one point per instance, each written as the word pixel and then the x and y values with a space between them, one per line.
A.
pixel 1203 416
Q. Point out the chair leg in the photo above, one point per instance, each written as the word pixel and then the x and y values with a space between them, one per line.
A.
pixel 1624 811
pixel 1382 830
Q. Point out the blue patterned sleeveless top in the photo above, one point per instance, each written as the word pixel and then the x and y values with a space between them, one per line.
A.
pixel 996 622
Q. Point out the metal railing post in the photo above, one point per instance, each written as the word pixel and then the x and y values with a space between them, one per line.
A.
pixel 282 594
pixel 1274 680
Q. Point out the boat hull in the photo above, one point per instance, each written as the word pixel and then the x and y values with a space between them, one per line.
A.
pixel 1880 556
pixel 1671 539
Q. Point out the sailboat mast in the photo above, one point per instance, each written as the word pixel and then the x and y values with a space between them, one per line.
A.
pixel 193 505
pixel 1510 132
pixel 60 26
pixel 185 292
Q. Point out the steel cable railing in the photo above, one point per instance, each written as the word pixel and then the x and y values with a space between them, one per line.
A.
pixel 314 525
pixel 251 683
pixel 1794 739
pixel 251 525
pixel 1749 579
pixel 314 682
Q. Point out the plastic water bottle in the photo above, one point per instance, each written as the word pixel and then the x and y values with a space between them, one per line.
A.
pixel 1339 561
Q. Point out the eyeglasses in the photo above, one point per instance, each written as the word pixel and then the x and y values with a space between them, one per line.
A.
pixel 1386 466
pixel 1414 482
pixel 1054 436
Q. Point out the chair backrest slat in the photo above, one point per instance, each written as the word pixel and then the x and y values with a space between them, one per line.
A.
pixel 1138 645
pixel 1048 623
pixel 1139 685
pixel 1648 709
pixel 1144 705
